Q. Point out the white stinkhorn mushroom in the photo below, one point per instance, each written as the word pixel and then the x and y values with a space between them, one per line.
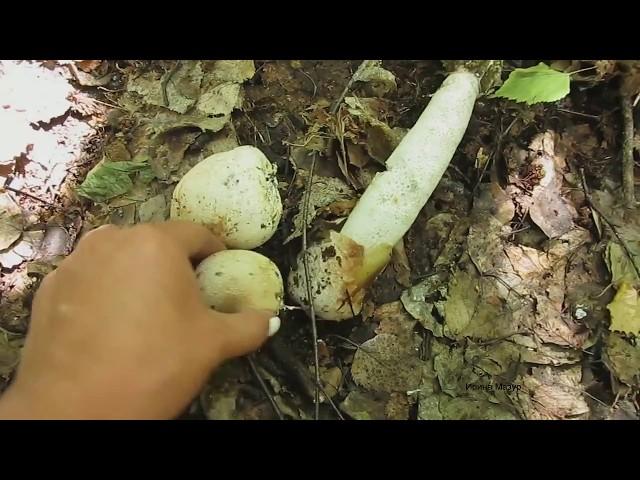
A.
pixel 234 194
pixel 342 266
pixel 231 280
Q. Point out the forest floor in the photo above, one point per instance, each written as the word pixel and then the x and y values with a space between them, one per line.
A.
pixel 507 299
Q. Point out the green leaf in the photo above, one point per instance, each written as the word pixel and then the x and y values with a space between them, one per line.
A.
pixel 110 179
pixel 534 85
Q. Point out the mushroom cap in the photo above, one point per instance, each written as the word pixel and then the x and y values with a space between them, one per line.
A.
pixel 231 280
pixel 234 194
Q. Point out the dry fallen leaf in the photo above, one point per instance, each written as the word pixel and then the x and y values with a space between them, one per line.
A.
pixel 389 362
pixel 88 65
pixel 331 379
pixel 325 192
pixel 11 221
pixel 620 265
pixel 380 81
pixel 397 408
pixel 605 68
pixel 547 207
pixel 623 359
pixel 22 251
pixel 554 394
pixel 400 264
pixel 625 310
pixel 363 406
pixel 153 210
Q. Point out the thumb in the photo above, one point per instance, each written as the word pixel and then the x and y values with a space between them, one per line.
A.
pixel 236 334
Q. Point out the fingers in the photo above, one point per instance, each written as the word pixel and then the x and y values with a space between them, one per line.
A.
pixel 196 241
pixel 101 228
pixel 230 335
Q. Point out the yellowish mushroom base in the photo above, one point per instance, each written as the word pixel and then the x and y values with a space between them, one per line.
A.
pixel 339 271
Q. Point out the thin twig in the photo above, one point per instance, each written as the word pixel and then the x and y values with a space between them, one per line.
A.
pixel 494 154
pixel 110 105
pixel 165 81
pixel 497 339
pixel 264 386
pixel 518 230
pixel 118 90
pixel 332 403
pixel 628 186
pixel 582 70
pixel 305 262
pixel 606 289
pixel 315 87
pixel 290 362
pixel 361 349
pixel 345 339
pixel 9 332
pixel 580 114
pixel 459 172
pixel 354 77
pixel 33 197
pixel 255 129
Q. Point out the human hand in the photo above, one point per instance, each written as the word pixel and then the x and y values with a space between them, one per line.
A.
pixel 119 330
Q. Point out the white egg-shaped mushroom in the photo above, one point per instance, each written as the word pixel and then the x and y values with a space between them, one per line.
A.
pixel 231 280
pixel 338 273
pixel 234 194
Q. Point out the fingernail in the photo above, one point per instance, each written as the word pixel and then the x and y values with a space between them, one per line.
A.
pixel 274 325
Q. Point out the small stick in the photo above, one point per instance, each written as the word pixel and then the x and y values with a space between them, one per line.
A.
pixel 9 332
pixel 110 105
pixel 628 186
pixel 331 402
pixel 165 81
pixel 494 154
pixel 564 110
pixel 314 329
pixel 315 88
pixel 264 386
pixel 33 197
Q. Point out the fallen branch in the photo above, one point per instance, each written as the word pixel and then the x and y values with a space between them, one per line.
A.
pixel 314 328
pixel 33 197
pixel 628 184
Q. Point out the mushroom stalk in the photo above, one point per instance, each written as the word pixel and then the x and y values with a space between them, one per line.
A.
pixel 345 263
pixel 393 200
